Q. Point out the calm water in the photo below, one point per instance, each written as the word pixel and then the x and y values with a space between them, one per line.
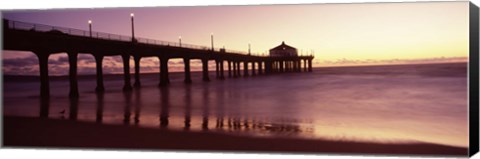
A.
pixel 406 103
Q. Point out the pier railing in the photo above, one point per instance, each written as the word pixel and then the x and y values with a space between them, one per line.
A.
pixel 107 36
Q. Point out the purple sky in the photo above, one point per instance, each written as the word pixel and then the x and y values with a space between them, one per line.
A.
pixel 338 34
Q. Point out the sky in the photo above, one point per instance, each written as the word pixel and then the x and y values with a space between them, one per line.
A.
pixel 337 34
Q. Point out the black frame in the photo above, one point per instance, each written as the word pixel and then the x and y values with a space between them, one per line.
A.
pixel 473 80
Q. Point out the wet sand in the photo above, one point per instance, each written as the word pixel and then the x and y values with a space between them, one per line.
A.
pixel 55 133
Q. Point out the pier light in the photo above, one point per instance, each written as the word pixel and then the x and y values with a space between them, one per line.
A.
pixel 90 27
pixel 180 40
pixel 133 32
pixel 211 39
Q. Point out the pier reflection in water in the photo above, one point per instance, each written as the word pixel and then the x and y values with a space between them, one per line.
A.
pixel 205 107
pixel 100 105
pixel 198 106
pixel 138 105
pixel 164 106
pixel 127 108
pixel 188 107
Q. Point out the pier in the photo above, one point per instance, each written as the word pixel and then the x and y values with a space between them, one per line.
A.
pixel 45 40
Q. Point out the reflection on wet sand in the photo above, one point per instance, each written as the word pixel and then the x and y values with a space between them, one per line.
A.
pixel 188 107
pixel 205 107
pixel 164 106
pixel 100 105
pixel 127 108
pixel 138 105
pixel 220 96
pixel 73 109
pixel 44 107
pixel 233 121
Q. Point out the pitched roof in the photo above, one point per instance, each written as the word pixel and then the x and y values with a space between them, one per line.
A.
pixel 283 46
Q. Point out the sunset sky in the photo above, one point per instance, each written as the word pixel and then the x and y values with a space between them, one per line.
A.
pixel 338 34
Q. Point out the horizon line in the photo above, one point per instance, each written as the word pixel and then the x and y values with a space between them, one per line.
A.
pixel 315 67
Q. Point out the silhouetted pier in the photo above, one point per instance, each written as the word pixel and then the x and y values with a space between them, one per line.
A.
pixel 44 40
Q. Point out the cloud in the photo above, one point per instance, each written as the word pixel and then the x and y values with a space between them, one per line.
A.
pixel 21 70
pixel 20 62
pixel 344 61
pixel 149 69
pixel 61 60
pixel 115 58
pixel 195 62
pixel 175 62
pixel 86 59
pixel 27 65
pixel 112 69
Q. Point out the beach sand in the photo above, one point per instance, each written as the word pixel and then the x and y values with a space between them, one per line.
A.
pixel 21 132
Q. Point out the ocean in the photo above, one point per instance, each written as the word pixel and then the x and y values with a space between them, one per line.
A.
pixel 386 104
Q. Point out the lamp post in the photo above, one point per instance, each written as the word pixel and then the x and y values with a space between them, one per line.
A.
pixel 180 40
pixel 90 27
pixel 248 48
pixel 211 39
pixel 133 33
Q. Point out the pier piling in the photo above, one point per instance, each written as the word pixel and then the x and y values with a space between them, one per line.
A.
pixel 72 60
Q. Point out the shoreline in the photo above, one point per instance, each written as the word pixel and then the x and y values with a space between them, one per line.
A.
pixel 55 133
